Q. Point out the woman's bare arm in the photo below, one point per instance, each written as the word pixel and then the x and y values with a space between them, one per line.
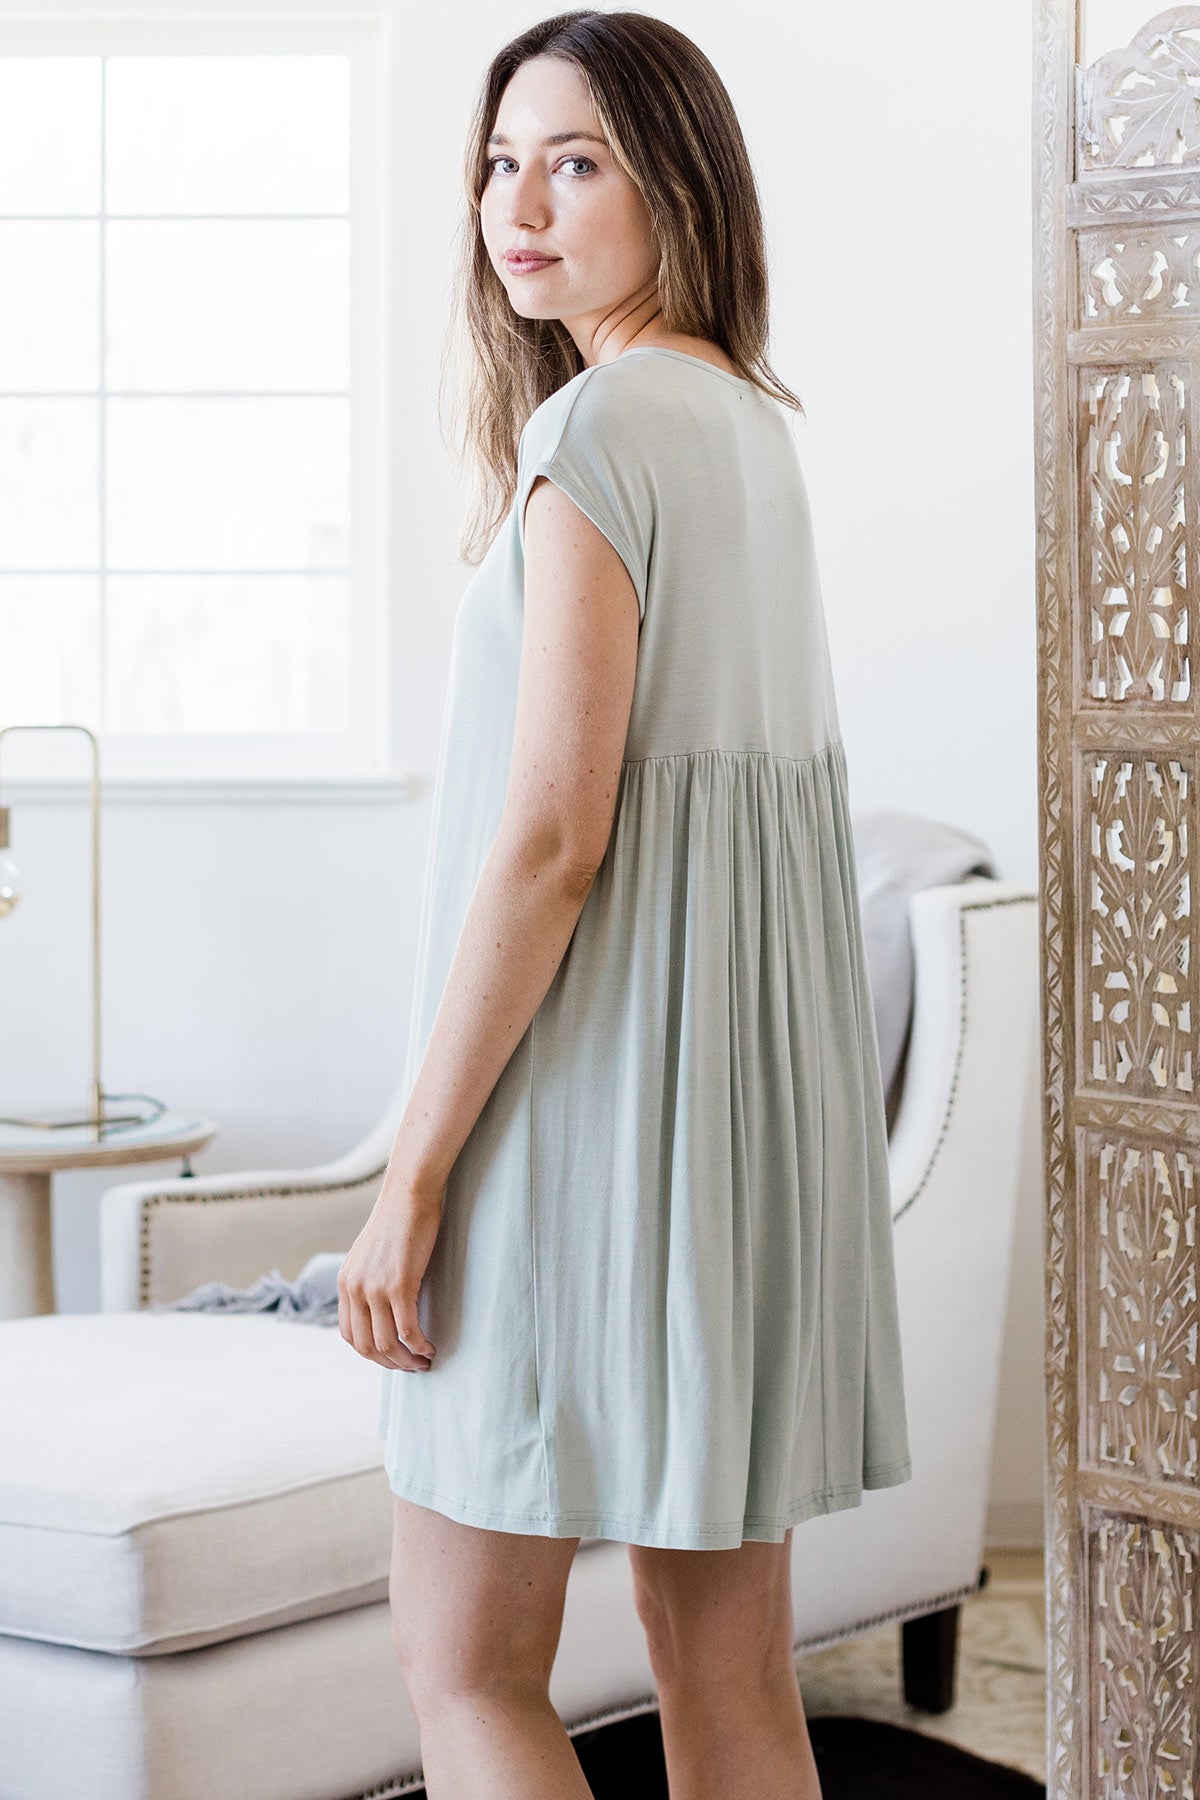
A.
pixel 578 656
pixel 575 692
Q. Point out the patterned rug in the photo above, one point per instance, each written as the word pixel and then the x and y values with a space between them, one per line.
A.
pixel 858 1759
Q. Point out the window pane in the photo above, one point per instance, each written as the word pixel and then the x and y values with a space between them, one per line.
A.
pixel 228 484
pixel 236 134
pixel 257 653
pixel 200 304
pixel 49 317
pixel 49 134
pixel 49 518
pixel 49 651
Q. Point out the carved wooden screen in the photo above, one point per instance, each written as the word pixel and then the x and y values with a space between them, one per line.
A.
pixel 1117 316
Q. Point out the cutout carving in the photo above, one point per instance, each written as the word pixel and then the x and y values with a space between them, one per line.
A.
pixel 1144 1654
pixel 1138 273
pixel 1133 518
pixel 1138 1024
pixel 1144 1389
pixel 1138 106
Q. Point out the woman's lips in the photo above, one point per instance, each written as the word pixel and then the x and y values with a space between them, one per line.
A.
pixel 529 265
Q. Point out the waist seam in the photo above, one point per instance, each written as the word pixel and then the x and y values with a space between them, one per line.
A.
pixel 773 755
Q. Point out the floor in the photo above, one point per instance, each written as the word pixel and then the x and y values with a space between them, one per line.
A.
pixel 1000 1711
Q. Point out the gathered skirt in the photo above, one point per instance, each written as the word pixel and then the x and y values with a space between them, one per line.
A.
pixel 663 1294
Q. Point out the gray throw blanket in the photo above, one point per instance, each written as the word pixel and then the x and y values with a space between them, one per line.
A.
pixel 312 1298
pixel 896 853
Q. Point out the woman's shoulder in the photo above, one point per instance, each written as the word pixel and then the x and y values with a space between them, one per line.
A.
pixel 609 403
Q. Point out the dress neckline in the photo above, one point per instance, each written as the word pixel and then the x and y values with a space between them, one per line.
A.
pixel 683 356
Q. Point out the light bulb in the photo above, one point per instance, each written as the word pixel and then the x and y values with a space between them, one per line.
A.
pixel 10 875
pixel 10 884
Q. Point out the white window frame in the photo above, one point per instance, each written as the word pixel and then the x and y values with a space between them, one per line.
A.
pixel 50 765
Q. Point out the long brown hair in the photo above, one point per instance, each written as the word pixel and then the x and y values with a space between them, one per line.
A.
pixel 672 128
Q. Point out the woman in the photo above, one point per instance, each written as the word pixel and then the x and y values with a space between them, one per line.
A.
pixel 630 1271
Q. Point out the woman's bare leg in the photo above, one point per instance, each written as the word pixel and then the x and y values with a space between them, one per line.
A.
pixel 719 1631
pixel 476 1619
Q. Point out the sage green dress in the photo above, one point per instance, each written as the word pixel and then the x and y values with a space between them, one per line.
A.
pixel 663 1294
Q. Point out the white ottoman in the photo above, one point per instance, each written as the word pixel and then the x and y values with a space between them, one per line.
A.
pixel 195 1531
pixel 170 1484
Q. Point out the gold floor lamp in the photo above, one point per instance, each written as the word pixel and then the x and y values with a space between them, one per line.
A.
pixel 10 894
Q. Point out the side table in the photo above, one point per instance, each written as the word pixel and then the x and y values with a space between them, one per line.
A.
pixel 28 1159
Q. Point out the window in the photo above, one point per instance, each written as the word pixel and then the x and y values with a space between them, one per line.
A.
pixel 188 380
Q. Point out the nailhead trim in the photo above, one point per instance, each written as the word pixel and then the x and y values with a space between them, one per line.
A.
pixel 153 1201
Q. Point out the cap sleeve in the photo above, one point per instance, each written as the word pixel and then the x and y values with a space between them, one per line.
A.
pixel 592 449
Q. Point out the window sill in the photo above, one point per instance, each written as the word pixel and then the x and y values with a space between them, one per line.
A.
pixel 390 788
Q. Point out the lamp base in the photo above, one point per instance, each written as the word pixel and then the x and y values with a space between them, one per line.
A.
pixel 66 1118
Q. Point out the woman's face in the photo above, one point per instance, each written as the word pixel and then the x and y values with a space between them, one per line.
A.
pixel 568 201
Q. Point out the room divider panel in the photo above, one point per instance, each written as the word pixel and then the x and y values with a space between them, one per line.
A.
pixel 1117 343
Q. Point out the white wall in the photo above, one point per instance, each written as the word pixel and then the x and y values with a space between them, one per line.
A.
pixel 258 955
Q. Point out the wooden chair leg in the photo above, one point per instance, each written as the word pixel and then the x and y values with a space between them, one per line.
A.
pixel 929 1659
pixel 929 1656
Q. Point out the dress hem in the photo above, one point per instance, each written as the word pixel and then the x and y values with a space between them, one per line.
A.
pixel 631 1530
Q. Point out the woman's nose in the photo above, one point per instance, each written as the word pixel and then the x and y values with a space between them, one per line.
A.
pixel 524 204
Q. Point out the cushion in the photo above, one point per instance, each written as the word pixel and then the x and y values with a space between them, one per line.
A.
pixel 172 1479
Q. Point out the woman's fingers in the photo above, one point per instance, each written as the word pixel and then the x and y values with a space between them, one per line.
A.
pixel 389 1349
pixel 383 1329
pixel 408 1329
pixel 378 1284
pixel 355 1321
pixel 362 1330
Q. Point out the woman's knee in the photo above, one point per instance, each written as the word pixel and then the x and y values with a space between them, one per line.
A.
pixel 473 1611
pixel 438 1675
pixel 715 1613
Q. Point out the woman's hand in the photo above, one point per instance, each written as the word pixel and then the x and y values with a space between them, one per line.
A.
pixel 380 1279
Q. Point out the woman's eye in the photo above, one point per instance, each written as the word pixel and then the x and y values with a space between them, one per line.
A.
pixel 581 159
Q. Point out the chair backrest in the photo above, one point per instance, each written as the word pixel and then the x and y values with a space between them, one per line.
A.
pixel 975 990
